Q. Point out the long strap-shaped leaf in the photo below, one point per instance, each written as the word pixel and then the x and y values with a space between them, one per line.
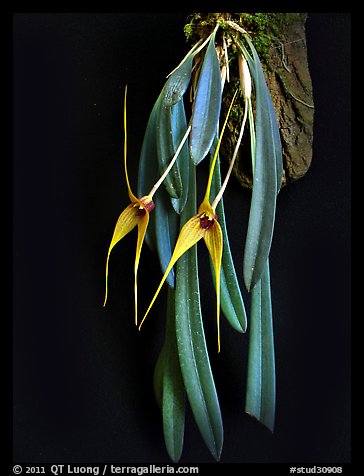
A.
pixel 179 78
pixel 178 82
pixel 148 169
pixel 193 355
pixel 207 105
pixel 276 139
pixel 166 231
pixel 169 388
pixel 179 127
pixel 261 384
pixel 166 150
pixel 163 227
pixel 232 303
pixel 166 219
pixel 266 178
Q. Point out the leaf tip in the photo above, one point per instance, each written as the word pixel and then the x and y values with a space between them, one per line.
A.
pixel 267 422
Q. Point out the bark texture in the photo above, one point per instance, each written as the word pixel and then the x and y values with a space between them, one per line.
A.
pixel 280 40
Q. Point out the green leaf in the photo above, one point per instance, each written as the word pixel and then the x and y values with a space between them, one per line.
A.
pixel 168 386
pixel 266 179
pixel 148 169
pixel 173 388
pixel 276 139
pixel 193 355
pixel 272 117
pixel 232 303
pixel 166 230
pixel 261 383
pixel 166 150
pixel 166 220
pixel 163 222
pixel 178 82
pixel 207 105
pixel 179 127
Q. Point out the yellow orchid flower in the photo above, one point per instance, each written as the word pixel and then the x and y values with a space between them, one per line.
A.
pixel 203 225
pixel 135 214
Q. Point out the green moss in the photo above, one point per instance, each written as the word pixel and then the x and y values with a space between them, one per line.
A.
pixel 200 25
pixel 265 29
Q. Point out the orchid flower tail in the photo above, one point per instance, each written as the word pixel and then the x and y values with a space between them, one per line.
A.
pixel 142 229
pixel 214 243
pixel 190 234
pixel 126 222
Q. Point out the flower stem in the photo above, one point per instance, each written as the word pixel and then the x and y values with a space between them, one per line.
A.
pixel 173 160
pixel 223 187
pixel 212 167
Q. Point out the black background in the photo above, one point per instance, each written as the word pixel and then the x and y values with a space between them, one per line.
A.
pixel 82 374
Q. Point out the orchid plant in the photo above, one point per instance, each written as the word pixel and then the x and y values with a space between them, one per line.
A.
pixel 169 221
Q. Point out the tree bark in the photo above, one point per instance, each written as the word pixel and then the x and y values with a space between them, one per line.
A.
pixel 280 40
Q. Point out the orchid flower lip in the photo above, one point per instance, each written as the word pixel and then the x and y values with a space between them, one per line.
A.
pixel 203 225
pixel 140 212
pixel 136 214
pixel 144 205
pixel 147 203
pixel 206 221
